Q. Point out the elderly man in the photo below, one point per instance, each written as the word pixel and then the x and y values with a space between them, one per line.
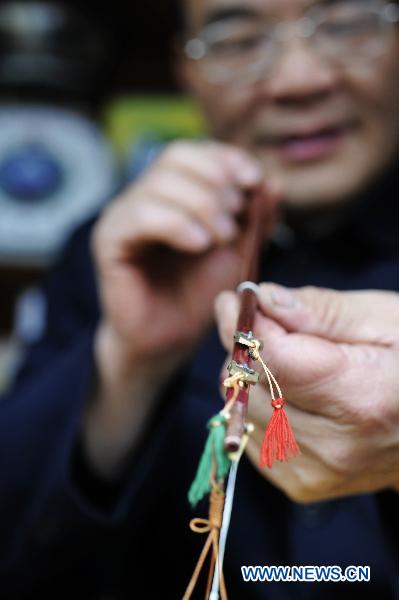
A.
pixel 104 429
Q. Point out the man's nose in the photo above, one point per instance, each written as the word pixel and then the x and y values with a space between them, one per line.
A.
pixel 301 74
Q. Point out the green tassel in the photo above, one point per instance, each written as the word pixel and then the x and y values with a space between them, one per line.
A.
pixel 213 453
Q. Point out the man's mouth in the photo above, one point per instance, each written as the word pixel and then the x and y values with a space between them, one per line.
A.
pixel 306 146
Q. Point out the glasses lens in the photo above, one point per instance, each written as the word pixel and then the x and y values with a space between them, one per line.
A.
pixel 352 30
pixel 235 51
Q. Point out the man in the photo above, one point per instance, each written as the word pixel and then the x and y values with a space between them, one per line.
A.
pixel 301 98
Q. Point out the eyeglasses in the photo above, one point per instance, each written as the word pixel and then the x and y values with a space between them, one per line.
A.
pixel 244 50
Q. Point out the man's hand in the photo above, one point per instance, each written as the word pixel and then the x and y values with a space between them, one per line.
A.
pixel 336 357
pixel 163 250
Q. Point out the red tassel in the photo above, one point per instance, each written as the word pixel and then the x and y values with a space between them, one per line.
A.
pixel 279 442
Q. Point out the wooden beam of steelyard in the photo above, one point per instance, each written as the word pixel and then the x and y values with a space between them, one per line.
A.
pixel 256 227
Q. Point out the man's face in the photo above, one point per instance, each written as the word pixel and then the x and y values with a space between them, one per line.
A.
pixel 324 128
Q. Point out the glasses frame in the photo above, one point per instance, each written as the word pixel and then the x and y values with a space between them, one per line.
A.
pixel 198 48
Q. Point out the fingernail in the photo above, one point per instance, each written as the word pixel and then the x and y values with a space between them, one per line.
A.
pixel 226 227
pixel 199 235
pixel 233 199
pixel 249 174
pixel 282 297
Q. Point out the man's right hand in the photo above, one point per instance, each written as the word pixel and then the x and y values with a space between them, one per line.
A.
pixel 163 249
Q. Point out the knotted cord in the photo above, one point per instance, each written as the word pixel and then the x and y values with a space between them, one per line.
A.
pixel 211 525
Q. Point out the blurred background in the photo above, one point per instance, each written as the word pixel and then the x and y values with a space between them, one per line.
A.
pixel 87 99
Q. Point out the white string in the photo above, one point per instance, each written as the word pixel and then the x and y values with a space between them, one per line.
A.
pixel 272 376
pixel 228 506
pixel 269 381
pixel 268 373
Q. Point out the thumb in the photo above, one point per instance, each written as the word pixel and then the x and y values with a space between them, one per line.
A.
pixel 370 317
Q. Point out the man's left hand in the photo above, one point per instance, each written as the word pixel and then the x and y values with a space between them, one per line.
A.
pixel 336 357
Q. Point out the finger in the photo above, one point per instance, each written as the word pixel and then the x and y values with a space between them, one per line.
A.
pixel 204 204
pixel 348 317
pixel 202 168
pixel 240 167
pixel 300 362
pixel 227 306
pixel 304 366
pixel 303 479
pixel 122 232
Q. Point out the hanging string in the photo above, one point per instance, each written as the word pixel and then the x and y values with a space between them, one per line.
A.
pixel 269 375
